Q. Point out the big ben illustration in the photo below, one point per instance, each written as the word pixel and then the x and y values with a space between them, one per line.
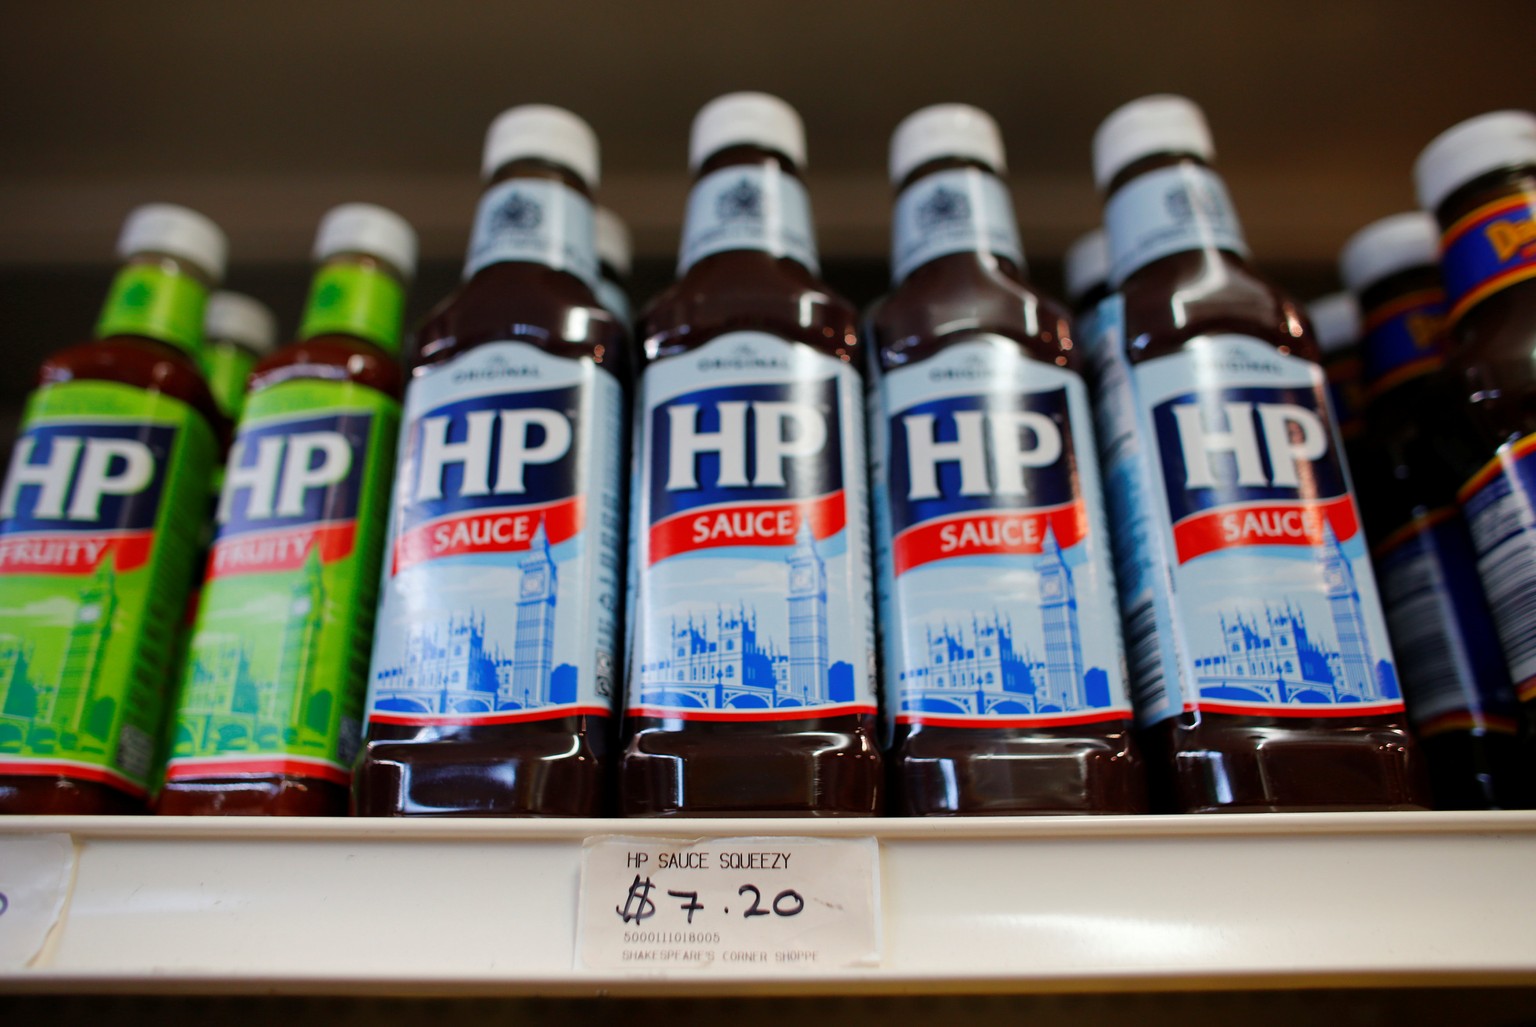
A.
pixel 83 654
pixel 1348 622
pixel 1063 643
pixel 808 658
pixel 301 632
pixel 533 652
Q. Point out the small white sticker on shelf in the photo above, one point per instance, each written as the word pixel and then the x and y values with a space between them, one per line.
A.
pixel 729 905
pixel 36 872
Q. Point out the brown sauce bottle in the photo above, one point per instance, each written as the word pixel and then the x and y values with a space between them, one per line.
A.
pixel 1479 180
pixel 278 737
pixel 58 753
pixel 1258 652
pixel 493 672
pixel 750 701
pixel 990 680
pixel 1455 683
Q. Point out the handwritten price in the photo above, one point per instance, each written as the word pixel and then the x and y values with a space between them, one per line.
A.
pixel 638 905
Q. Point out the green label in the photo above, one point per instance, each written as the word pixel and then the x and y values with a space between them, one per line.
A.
pixel 227 367
pixel 99 521
pixel 349 299
pixel 278 664
pixel 148 300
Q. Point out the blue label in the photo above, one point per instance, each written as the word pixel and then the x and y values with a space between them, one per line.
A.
pixel 750 207
pixel 962 210
pixel 534 220
pixel 1499 503
pixel 83 476
pixel 1404 339
pixel 1490 249
pixel 1453 669
pixel 288 473
pixel 751 554
pixel 501 573
pixel 996 591
pixel 1170 210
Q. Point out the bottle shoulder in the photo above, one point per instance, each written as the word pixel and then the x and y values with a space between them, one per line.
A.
pixel 331 357
pixel 144 363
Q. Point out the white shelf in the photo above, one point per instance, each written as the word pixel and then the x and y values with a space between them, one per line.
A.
pixel 1048 904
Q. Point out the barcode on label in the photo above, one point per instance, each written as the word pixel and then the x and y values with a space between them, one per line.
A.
pixel 1437 677
pixel 1506 560
pixel 1143 656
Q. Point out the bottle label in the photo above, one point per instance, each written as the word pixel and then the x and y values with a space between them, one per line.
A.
pixel 538 221
pixel 1499 503
pixel 1171 210
pixel 1403 339
pixel 501 570
pixel 962 210
pixel 749 207
pixel 996 592
pixel 1489 249
pixel 1453 671
pixel 753 596
pixel 149 301
pixel 1246 585
pixel 227 366
pixel 99 520
pixel 350 299
pixel 278 661
pixel 612 297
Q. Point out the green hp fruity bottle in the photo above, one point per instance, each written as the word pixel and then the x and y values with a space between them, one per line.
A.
pixel 238 331
pixel 1004 676
pixel 492 681
pixel 1259 658
pixel 270 708
pixel 751 680
pixel 1455 683
pixel 99 523
pixel 1479 179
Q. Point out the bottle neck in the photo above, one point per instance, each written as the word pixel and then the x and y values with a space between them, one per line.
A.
pixel 1488 238
pixel 227 365
pixel 1402 333
pixel 953 206
pixel 747 198
pixel 538 213
pixel 157 297
pixel 358 295
pixel 1164 205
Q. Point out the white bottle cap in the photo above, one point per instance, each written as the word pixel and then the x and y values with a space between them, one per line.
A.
pixel 612 240
pixel 366 228
pixel 746 119
pixel 541 131
pixel 1385 247
pixel 945 130
pixel 176 232
pixel 235 317
pixel 1087 264
pixel 1154 124
pixel 1335 320
pixel 1475 147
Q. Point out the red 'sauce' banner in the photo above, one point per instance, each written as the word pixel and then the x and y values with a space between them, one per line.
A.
pixel 74 552
pixel 1264 524
pixel 261 552
pixel 506 530
pixel 989 533
pixel 747 524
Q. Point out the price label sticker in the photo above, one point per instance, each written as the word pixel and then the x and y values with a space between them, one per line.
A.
pixel 729 905
pixel 36 872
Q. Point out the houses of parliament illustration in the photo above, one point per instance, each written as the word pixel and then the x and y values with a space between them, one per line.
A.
pixel 977 669
pixel 725 661
pixel 453 666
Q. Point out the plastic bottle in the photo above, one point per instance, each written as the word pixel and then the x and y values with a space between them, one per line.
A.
pixel 1259 656
pixel 1336 322
pixel 1479 179
pixel 238 331
pixel 270 707
pixel 99 524
pixel 492 679
pixel 1004 677
pixel 1087 272
pixel 613 261
pixel 751 682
